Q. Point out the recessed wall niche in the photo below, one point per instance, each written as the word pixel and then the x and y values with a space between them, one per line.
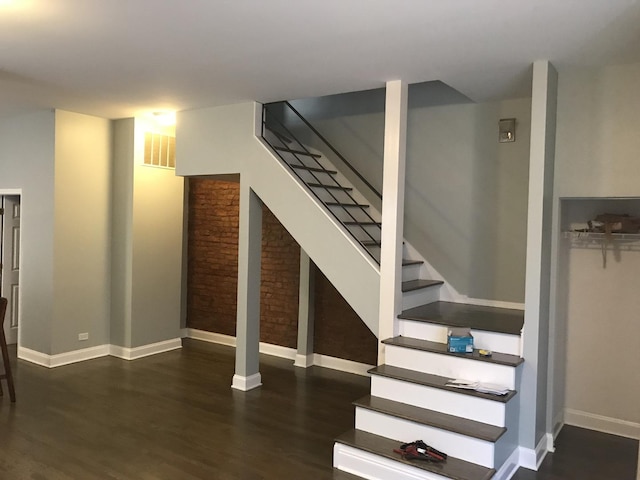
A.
pixel 598 317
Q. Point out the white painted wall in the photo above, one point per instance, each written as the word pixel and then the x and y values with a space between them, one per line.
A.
pixel 158 195
pixel 466 194
pixel 218 141
pixel 27 164
pixel 81 280
pixel 596 156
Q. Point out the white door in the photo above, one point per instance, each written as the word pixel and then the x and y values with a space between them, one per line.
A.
pixel 11 263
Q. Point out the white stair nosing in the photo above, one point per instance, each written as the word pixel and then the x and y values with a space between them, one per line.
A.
pixel 450 366
pixel 444 401
pixel 374 467
pixel 421 296
pixel 457 445
pixel 482 339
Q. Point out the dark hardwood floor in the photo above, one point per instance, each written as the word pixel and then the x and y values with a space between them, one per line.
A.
pixel 587 455
pixel 174 416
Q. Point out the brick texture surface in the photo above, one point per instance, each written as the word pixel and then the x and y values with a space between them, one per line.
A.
pixel 339 331
pixel 213 271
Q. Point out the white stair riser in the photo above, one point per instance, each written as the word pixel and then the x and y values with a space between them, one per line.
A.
pixel 450 366
pixel 422 296
pixel 453 403
pixel 374 467
pixel 465 448
pixel 411 272
pixel 496 342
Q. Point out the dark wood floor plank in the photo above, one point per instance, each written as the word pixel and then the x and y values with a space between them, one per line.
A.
pixel 174 416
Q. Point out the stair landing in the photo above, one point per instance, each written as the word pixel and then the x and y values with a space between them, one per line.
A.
pixel 493 319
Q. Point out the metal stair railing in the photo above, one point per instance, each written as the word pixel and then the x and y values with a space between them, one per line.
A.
pixel 289 148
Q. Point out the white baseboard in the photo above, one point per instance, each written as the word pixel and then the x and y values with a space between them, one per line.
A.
pixel 246 383
pixel 601 423
pixel 60 359
pixel 304 361
pixel 509 467
pixel 145 350
pixel 341 364
pixel 286 352
pixel 532 458
pixel 278 351
pixel 211 337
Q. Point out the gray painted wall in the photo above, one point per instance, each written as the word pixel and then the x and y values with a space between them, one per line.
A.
pixel 466 194
pixel 27 163
pixel 147 223
pixel 121 226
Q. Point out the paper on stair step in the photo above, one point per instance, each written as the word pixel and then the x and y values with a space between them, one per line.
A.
pixel 481 387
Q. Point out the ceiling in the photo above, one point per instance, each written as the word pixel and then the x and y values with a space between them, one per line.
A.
pixel 119 58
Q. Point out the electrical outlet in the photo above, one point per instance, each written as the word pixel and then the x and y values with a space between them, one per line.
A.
pixel 83 336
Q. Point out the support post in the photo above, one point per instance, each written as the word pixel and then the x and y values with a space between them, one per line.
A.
pixel 395 142
pixel 304 356
pixel 247 375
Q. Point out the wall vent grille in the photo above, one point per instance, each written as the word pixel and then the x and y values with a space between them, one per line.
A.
pixel 159 150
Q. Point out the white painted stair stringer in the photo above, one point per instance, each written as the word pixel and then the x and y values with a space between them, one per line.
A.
pixel 454 444
pixel 450 366
pixel 445 401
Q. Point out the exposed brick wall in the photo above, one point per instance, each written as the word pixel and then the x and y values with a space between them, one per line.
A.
pixel 213 271
pixel 280 279
pixel 212 280
pixel 338 331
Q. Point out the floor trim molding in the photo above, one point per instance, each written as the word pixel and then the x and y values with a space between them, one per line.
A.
pixel 145 350
pixel 601 423
pixel 305 361
pixel 532 458
pixel 67 358
pixel 509 467
pixel 60 359
pixel 246 383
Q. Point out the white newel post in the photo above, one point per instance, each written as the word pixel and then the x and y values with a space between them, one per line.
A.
pixel 395 140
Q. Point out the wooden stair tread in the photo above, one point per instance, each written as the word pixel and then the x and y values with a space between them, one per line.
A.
pixel 412 285
pixel 493 319
pixel 369 243
pixel 441 348
pixel 334 187
pixel 297 152
pixel 347 205
pixel 434 381
pixel 406 263
pixel 314 169
pixel 453 468
pixel 443 421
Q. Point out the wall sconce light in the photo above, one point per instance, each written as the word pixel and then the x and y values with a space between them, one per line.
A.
pixel 507 130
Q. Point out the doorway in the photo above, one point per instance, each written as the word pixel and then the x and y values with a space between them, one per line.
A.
pixel 10 213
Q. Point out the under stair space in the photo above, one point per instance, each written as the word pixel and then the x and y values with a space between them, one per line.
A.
pixel 411 399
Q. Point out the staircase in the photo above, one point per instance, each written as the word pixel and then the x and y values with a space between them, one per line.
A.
pixel 410 399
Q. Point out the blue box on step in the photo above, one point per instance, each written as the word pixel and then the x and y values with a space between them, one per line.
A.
pixel 460 340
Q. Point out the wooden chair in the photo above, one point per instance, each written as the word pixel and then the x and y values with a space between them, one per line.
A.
pixel 5 353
